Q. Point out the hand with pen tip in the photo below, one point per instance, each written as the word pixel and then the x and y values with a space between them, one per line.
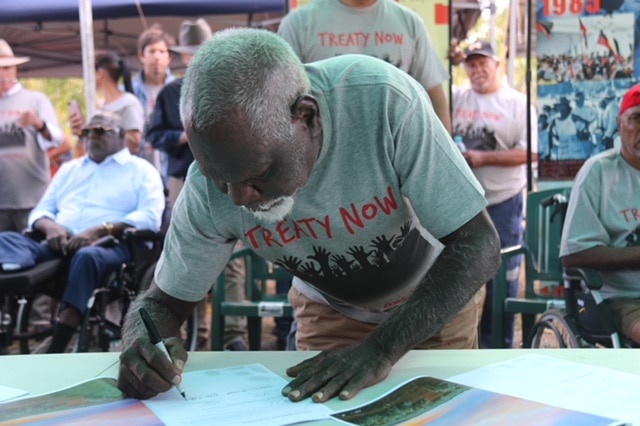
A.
pixel 148 366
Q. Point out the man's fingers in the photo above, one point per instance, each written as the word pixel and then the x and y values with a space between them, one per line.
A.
pixel 304 365
pixel 146 371
pixel 131 386
pixel 176 350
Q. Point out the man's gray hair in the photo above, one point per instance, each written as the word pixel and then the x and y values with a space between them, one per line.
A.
pixel 251 71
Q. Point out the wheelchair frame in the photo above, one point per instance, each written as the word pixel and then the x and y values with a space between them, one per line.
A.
pixel 585 320
pixel 98 328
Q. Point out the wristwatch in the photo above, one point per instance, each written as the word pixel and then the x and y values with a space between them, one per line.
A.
pixel 109 227
pixel 43 128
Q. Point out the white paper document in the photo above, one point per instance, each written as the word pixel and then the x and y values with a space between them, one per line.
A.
pixel 7 393
pixel 244 395
pixel 590 389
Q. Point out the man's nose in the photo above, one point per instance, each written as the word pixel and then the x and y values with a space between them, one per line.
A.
pixel 242 194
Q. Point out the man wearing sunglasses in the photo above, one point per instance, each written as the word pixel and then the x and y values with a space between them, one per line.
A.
pixel 91 197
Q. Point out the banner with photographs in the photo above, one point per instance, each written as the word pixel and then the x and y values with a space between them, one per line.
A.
pixel 586 54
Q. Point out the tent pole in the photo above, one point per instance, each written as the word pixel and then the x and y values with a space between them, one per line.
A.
pixel 513 33
pixel 88 55
pixel 528 85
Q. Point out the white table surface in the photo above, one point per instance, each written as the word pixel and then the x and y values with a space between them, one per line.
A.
pixel 44 373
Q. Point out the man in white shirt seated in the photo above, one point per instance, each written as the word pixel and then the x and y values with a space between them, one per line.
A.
pixel 89 198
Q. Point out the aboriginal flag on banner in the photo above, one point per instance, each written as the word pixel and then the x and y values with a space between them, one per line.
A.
pixel 545 28
pixel 584 31
pixel 604 41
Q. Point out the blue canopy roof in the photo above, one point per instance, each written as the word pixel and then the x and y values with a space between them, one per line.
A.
pixel 12 11
pixel 48 31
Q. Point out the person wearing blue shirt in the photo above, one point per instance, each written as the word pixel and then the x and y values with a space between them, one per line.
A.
pixel 89 198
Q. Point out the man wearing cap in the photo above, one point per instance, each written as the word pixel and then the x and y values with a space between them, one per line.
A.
pixel 491 118
pixel 28 128
pixel 601 226
pixel 166 133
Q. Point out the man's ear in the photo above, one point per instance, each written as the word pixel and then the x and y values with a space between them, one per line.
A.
pixel 306 109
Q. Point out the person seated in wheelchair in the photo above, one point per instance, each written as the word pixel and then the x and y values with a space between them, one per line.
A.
pixel 602 222
pixel 92 197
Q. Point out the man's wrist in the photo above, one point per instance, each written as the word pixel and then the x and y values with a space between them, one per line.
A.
pixel 43 127
pixel 109 227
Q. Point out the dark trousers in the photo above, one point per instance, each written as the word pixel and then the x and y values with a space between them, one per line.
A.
pixel 507 218
pixel 87 267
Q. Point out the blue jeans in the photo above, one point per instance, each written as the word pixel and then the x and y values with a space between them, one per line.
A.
pixel 507 218
pixel 87 267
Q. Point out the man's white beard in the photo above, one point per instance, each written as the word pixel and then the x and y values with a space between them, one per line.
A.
pixel 281 207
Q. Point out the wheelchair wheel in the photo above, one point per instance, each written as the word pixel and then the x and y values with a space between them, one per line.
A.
pixel 33 336
pixel 553 330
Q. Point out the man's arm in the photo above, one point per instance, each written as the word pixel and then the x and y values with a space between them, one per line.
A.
pixel 441 105
pixel 471 257
pixel 604 258
pixel 165 130
pixel 134 141
pixel 144 369
pixel 508 158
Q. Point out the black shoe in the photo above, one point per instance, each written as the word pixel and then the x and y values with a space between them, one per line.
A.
pixel 238 345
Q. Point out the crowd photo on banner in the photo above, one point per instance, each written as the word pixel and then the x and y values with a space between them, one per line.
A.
pixel 585 59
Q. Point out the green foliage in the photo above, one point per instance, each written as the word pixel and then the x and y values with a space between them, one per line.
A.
pixel 60 91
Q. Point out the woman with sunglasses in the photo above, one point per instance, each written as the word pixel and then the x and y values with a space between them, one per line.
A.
pixel 110 68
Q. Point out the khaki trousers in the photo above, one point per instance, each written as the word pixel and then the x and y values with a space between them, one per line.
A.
pixel 320 327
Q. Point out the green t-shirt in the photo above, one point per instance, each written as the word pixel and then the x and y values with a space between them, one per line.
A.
pixel 388 182
pixel 603 211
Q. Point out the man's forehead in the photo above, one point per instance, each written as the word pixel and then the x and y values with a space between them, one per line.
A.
pixel 158 45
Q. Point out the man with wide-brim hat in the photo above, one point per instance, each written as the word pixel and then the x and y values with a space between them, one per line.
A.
pixel 167 134
pixel 192 35
pixel 165 130
pixel 28 127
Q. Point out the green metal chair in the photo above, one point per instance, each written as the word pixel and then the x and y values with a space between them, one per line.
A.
pixel 259 301
pixel 542 266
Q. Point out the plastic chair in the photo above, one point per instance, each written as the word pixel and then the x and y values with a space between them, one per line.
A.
pixel 259 301
pixel 542 267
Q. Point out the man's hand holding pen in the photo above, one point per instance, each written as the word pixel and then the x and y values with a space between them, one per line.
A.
pixel 145 369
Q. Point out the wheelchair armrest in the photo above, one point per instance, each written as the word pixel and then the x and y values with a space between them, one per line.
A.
pixel 588 276
pixel 142 234
pixel 511 251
